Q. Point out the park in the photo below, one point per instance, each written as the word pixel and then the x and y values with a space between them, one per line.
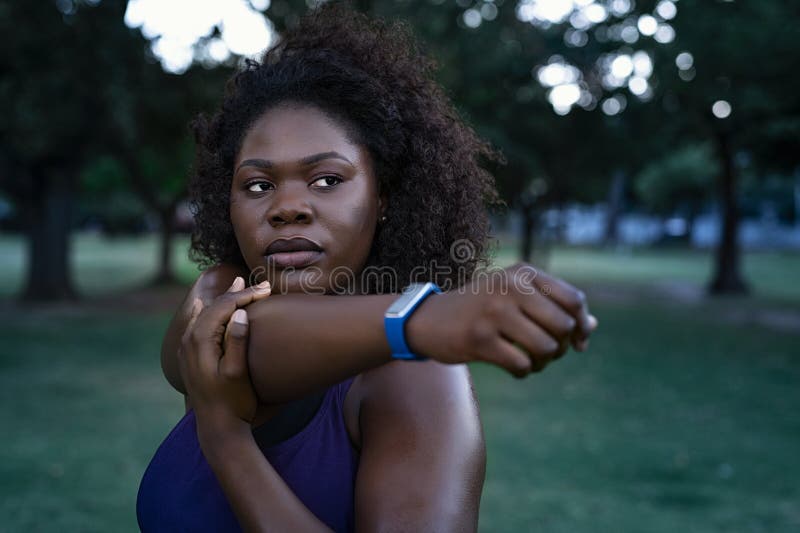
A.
pixel 648 164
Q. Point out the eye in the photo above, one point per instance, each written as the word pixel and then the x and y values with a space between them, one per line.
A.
pixel 326 182
pixel 259 186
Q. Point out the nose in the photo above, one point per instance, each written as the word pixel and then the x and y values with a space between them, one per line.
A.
pixel 289 206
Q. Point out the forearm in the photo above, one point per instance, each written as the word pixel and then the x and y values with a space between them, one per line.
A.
pixel 259 497
pixel 300 343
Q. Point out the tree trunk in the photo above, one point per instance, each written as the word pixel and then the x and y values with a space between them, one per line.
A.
pixel 49 204
pixel 164 276
pixel 528 212
pixel 616 195
pixel 727 277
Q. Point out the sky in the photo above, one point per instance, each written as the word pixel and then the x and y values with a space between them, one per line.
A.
pixel 179 29
pixel 181 32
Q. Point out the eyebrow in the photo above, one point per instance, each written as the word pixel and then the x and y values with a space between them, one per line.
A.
pixel 309 160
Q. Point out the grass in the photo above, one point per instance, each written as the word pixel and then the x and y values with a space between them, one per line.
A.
pixel 669 423
pixel 83 408
pixel 771 274
pixel 678 418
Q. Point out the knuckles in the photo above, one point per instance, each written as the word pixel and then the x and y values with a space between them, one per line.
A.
pixel 566 326
pixel 495 308
pixel 577 300
pixel 229 373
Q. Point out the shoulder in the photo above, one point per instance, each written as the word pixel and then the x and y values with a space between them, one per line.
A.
pixel 420 391
pixel 419 428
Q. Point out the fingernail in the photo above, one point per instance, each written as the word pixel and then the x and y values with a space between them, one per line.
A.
pixel 238 284
pixel 240 316
pixel 263 285
pixel 592 321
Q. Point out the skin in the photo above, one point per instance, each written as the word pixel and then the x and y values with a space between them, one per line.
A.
pixel 213 359
pixel 332 201
pixel 416 424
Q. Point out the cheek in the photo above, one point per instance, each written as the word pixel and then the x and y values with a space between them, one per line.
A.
pixel 351 222
pixel 358 223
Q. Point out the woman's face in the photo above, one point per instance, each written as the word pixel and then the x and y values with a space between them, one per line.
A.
pixel 304 201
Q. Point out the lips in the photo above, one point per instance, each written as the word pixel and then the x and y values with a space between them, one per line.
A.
pixel 294 252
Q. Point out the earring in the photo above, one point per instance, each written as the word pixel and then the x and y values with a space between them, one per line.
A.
pixel 383 218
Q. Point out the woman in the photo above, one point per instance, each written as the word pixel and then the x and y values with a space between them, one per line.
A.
pixel 336 172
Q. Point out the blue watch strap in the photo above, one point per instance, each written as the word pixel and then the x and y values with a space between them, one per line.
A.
pixel 394 320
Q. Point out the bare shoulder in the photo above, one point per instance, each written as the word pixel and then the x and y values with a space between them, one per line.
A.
pixel 420 389
pixel 423 390
pixel 420 427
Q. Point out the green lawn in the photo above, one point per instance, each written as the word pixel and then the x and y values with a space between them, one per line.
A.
pixel 678 418
pixel 771 274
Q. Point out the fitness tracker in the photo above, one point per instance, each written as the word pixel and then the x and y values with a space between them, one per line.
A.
pixel 394 320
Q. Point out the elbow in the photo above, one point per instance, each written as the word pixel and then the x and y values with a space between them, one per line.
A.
pixel 261 350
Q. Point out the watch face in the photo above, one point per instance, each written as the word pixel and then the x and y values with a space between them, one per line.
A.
pixel 407 299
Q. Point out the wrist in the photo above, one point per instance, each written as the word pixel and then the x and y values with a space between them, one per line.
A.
pixel 217 432
pixel 419 326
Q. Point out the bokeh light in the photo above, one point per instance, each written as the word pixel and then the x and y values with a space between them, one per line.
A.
pixel 721 109
pixel 647 25
pixel 684 61
pixel 666 10
pixel 244 30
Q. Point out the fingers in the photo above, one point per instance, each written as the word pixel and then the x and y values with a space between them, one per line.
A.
pixel 544 311
pixel 582 343
pixel 539 344
pixel 197 307
pixel 234 359
pixel 185 362
pixel 504 354
pixel 212 321
pixel 572 300
pixel 237 285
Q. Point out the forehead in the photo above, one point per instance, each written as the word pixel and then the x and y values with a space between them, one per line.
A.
pixel 287 133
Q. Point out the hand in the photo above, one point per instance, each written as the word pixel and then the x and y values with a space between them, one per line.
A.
pixel 213 357
pixel 520 320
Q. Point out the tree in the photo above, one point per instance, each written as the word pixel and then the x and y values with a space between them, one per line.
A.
pixel 735 84
pixel 152 140
pixel 91 89
pixel 53 100
pixel 681 181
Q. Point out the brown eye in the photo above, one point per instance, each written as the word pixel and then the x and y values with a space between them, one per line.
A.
pixel 326 182
pixel 259 186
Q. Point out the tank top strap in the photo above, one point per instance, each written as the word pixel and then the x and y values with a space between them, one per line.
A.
pixel 340 390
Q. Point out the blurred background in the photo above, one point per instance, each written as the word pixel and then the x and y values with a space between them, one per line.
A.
pixel 654 161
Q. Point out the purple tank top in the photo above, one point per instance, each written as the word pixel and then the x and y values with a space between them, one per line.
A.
pixel 179 491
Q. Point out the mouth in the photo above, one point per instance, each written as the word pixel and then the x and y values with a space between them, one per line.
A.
pixel 296 252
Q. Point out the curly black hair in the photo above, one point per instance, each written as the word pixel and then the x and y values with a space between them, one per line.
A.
pixel 372 77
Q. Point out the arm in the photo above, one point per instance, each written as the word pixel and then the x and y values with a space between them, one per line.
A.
pixel 304 342
pixel 260 498
pixel 300 343
pixel 213 363
pixel 423 457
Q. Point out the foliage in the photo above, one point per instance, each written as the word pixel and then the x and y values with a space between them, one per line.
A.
pixel 682 177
